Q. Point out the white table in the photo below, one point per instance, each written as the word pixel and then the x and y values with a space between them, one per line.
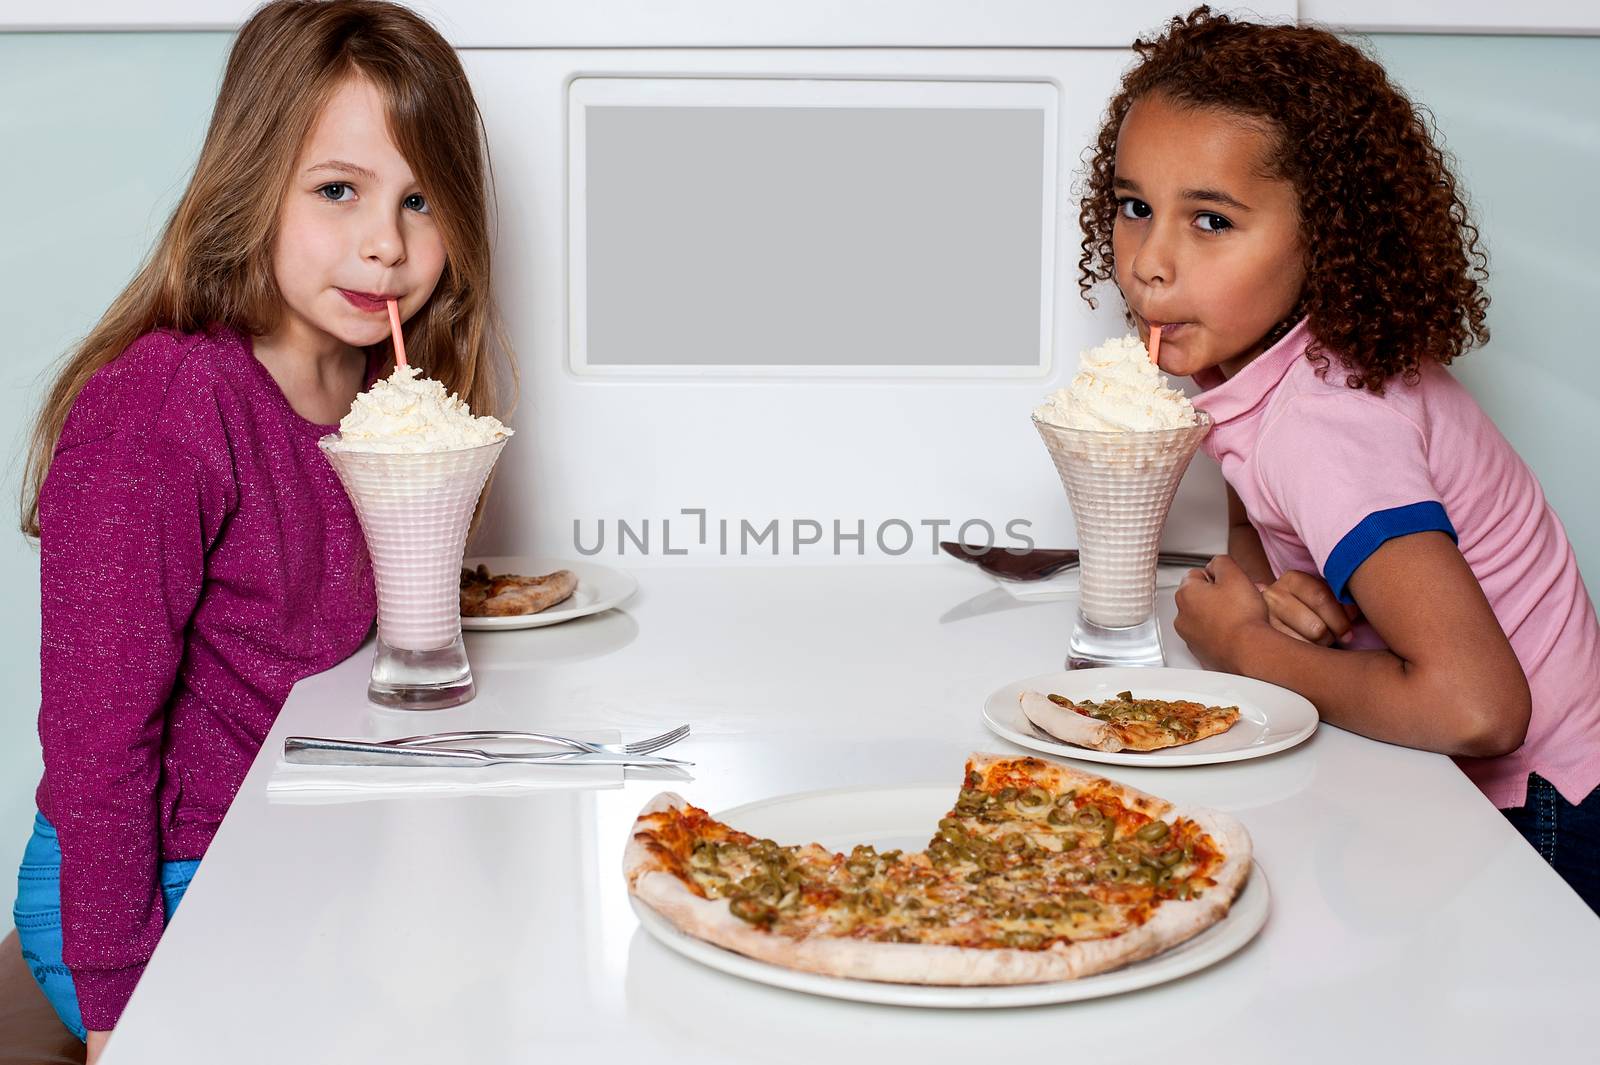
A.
pixel 1409 921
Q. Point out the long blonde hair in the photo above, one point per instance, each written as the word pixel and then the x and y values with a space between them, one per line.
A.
pixel 213 262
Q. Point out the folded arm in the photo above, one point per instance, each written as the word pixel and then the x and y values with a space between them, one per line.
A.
pixel 1449 681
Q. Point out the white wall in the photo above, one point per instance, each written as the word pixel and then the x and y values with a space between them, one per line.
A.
pixel 858 451
pixel 851 23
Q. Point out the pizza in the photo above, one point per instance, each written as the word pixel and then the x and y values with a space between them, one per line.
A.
pixel 486 595
pixel 1037 873
pixel 1126 723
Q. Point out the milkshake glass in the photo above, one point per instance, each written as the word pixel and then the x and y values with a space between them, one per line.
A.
pixel 1120 485
pixel 415 510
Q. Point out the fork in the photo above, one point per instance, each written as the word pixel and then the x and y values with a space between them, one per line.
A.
pixel 644 746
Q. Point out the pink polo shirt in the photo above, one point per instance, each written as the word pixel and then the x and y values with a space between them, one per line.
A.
pixel 1328 473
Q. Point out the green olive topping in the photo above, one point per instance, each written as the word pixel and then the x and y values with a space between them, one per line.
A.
pixel 1088 817
pixel 1006 794
pixel 1013 842
pixel 1154 832
pixel 1059 817
pixel 874 902
pixel 1126 697
pixel 1111 872
pixel 1177 726
pixel 1064 800
pixel 992 861
pixel 1034 797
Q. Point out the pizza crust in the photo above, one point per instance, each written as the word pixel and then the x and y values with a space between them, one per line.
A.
pixel 933 964
pixel 1081 730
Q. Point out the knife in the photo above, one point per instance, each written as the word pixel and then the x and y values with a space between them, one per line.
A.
pixel 1035 564
pixel 317 750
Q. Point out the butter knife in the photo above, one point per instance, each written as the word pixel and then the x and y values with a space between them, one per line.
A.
pixel 317 750
pixel 1035 564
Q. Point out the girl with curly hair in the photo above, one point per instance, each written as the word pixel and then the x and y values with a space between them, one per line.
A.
pixel 1281 211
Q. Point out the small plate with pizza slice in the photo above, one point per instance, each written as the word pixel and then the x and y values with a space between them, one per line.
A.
pixel 1150 717
pixel 1029 884
pixel 519 592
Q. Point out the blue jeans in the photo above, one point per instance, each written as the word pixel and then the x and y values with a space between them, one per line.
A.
pixel 38 916
pixel 1566 836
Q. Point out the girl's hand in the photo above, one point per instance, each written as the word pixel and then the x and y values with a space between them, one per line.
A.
pixel 1303 606
pixel 97 1046
pixel 1218 609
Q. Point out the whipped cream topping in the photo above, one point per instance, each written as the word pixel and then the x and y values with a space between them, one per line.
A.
pixel 407 412
pixel 1118 389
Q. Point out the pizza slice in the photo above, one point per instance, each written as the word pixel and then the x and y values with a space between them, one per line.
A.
pixel 1126 723
pixel 511 594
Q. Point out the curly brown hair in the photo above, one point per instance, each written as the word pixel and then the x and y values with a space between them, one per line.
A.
pixel 1394 268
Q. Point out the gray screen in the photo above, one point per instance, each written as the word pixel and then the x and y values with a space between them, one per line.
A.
pixel 770 236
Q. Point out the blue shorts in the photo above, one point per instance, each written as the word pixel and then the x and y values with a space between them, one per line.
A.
pixel 38 916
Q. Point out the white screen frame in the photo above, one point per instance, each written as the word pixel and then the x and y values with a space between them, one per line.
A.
pixel 776 91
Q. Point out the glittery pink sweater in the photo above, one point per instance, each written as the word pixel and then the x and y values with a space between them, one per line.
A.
pixel 198 557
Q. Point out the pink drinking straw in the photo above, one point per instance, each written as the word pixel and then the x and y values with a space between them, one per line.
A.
pixel 400 338
pixel 1155 340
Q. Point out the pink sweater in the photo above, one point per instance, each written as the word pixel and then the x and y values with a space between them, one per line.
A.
pixel 198 557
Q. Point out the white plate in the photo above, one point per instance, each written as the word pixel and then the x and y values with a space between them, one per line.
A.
pixel 906 817
pixel 1271 718
pixel 599 588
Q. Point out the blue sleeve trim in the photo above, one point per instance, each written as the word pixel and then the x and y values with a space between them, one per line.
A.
pixel 1373 531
